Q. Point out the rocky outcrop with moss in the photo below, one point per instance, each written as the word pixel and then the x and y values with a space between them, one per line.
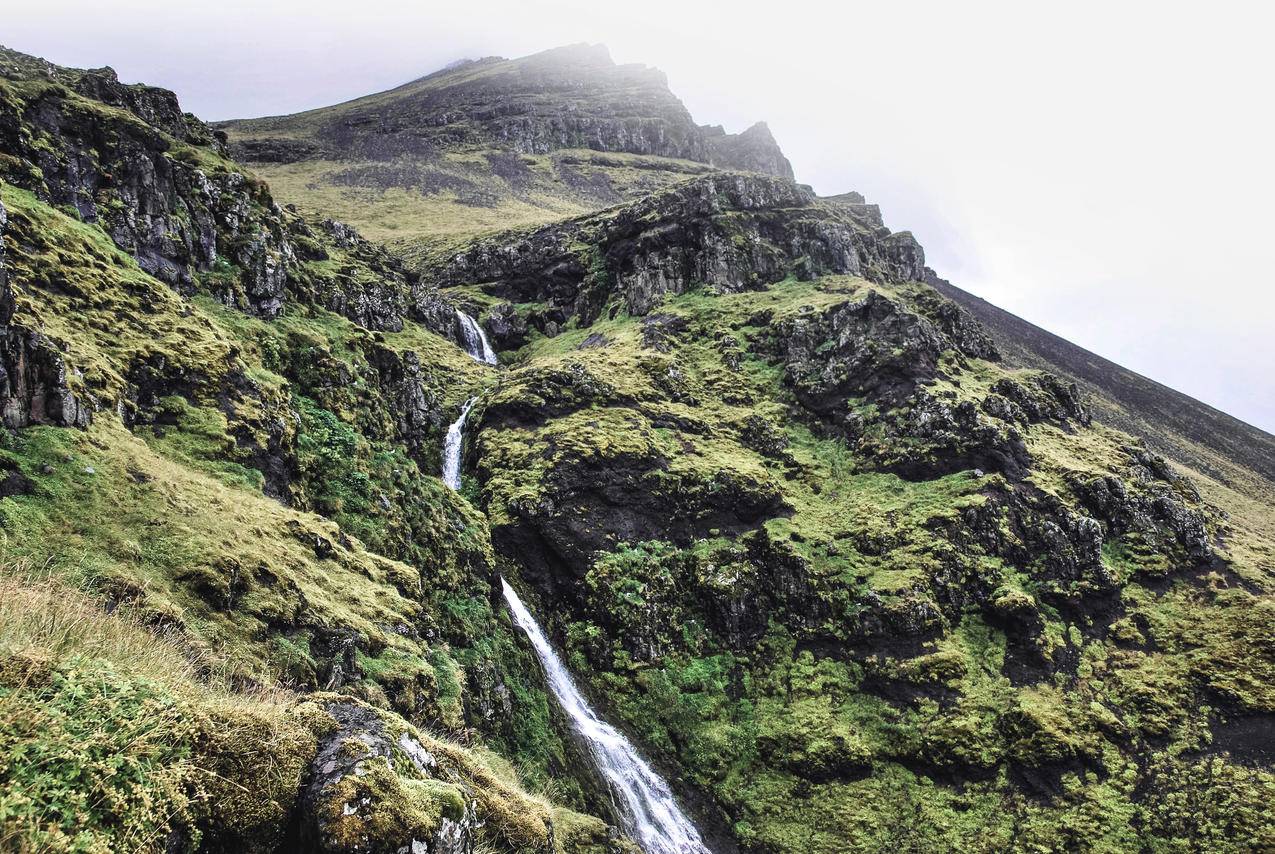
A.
pixel 731 232
pixel 260 401
pixel 848 574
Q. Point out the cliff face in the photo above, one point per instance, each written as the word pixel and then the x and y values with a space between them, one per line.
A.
pixel 848 569
pixel 729 233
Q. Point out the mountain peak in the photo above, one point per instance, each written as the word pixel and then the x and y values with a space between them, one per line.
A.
pixel 574 96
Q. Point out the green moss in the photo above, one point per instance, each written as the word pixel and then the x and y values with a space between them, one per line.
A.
pixel 93 759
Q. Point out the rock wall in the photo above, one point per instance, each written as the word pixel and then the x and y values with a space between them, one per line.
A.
pixel 34 388
pixel 729 232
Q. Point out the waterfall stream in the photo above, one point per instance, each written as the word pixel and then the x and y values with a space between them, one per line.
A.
pixel 646 804
pixel 476 343
pixel 452 446
pixel 644 800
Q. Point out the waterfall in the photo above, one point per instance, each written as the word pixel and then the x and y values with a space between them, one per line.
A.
pixel 476 344
pixel 452 446
pixel 650 814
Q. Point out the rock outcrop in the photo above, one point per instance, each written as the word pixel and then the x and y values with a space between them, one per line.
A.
pixel 369 791
pixel 173 204
pixel 729 232
pixel 753 150
pixel 34 387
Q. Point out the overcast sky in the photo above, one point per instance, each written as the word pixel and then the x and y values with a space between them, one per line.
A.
pixel 1105 170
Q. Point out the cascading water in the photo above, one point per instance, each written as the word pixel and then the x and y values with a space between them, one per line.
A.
pixel 647 807
pixel 452 446
pixel 646 804
pixel 476 344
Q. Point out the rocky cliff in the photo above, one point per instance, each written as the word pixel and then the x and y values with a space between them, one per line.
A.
pixel 845 566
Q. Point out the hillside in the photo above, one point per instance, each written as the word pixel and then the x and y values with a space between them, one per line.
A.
pixel 485 144
pixel 839 558
pixel 1179 425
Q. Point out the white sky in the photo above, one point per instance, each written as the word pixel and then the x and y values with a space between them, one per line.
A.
pixel 1104 170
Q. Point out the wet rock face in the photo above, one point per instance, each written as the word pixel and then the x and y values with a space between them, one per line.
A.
pixel 727 232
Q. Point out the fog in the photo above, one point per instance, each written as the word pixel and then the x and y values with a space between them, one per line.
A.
pixel 1103 170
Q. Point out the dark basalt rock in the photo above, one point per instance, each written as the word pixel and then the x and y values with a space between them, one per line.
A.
pixel 273 150
pixel 866 363
pixel 753 150
pixel 156 107
pixel 728 232
pixel 155 180
pixel 370 287
pixel 870 347
pixel 158 203
pixel 357 801
pixel 1151 502
pixel 857 204
pixel 573 97
pixel 1045 399
pixel 506 327
pixel 34 385
pixel 416 411
pixel 660 331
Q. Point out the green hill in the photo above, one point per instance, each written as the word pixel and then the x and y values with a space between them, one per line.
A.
pixel 855 566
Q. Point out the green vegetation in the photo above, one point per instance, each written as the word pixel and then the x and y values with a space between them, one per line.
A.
pixel 830 673
pixel 850 580
pixel 111 740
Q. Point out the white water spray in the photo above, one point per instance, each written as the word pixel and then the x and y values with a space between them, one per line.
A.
pixel 452 446
pixel 647 807
pixel 476 344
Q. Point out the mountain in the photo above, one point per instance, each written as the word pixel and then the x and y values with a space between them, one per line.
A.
pixel 488 143
pixel 835 555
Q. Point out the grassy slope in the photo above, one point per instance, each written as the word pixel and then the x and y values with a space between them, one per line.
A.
pixel 112 739
pixel 808 751
pixel 168 524
pixel 420 207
